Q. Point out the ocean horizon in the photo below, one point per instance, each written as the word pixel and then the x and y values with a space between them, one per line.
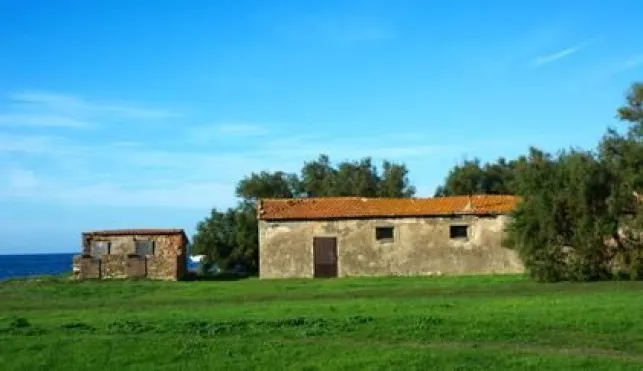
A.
pixel 29 265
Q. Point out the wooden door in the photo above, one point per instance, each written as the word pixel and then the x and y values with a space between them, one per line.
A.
pixel 325 256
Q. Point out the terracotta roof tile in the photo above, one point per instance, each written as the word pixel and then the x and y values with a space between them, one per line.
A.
pixel 358 207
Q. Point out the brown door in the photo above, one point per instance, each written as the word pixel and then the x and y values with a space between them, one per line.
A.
pixel 325 255
pixel 136 266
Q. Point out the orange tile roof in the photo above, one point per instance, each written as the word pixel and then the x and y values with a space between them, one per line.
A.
pixel 359 207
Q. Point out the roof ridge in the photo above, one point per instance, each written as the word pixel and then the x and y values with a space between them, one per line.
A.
pixel 272 199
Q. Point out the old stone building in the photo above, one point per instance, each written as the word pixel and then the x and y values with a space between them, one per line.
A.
pixel 134 253
pixel 353 236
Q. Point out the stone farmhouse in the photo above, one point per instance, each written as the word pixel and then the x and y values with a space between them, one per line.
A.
pixel 133 253
pixel 354 236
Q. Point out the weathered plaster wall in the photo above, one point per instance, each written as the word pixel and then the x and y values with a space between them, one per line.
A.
pixel 166 263
pixel 421 246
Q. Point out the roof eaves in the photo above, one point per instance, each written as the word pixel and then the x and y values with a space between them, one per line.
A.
pixel 379 216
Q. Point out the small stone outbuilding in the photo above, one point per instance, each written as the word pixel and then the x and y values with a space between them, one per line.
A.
pixel 354 236
pixel 133 253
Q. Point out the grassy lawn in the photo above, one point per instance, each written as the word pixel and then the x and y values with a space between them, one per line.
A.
pixel 376 323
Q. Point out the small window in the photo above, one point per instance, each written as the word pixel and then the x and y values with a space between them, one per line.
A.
pixel 459 231
pixel 384 233
pixel 99 248
pixel 144 247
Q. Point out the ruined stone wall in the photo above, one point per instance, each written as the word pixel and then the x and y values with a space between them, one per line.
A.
pixel 84 268
pixel 421 246
pixel 165 263
pixel 182 263
pixel 113 266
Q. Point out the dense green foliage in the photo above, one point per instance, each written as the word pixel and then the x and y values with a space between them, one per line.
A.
pixel 579 209
pixel 229 237
pixel 471 177
pixel 561 226
pixel 472 323
pixel 577 219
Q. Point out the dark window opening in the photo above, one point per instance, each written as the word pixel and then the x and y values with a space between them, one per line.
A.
pixel 384 233
pixel 99 248
pixel 144 248
pixel 458 231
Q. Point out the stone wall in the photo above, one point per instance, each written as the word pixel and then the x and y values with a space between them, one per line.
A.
pixel 167 263
pixel 420 246
pixel 113 266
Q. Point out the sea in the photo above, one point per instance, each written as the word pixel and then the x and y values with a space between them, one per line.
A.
pixel 17 266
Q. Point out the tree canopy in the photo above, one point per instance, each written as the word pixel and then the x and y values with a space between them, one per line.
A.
pixel 471 177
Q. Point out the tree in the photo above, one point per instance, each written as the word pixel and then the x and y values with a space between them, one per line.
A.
pixel 394 181
pixel 268 185
pixel 499 177
pixel 559 228
pixel 246 251
pixel 579 219
pixel 472 178
pixel 318 177
pixel 632 111
pixel 215 238
pixel 356 178
pixel 623 154
pixel 229 238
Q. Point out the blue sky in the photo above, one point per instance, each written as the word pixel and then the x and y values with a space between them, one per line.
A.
pixel 146 113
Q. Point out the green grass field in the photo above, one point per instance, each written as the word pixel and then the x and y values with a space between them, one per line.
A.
pixel 377 323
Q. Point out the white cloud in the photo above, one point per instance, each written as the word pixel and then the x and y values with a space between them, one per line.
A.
pixel 545 59
pixel 25 144
pixel 122 173
pixel 180 196
pixel 560 54
pixel 77 106
pixel 395 146
pixel 41 120
pixel 151 171
pixel 191 195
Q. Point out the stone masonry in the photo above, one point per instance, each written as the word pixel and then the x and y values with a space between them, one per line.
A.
pixel 142 253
